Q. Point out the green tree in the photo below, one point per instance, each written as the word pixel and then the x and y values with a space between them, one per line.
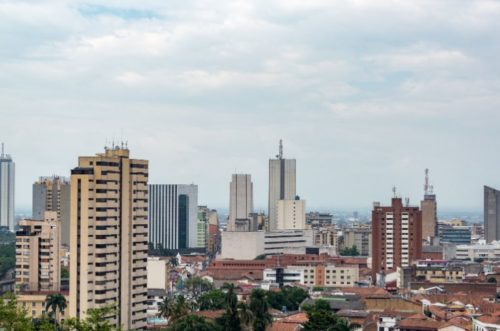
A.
pixel 180 308
pixel 350 251
pixel 246 316
pixel 230 321
pixel 212 300
pixel 259 307
pixel 11 317
pixel 55 302
pixel 192 323
pixel 165 307
pixel 289 297
pixel 64 272
pixel 197 286
pixel 96 320
pixel 343 325
pixel 44 323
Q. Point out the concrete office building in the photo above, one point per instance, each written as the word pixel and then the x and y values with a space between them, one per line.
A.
pixel 249 245
pixel 37 254
pixel 7 185
pixel 109 236
pixel 173 216
pixel 316 219
pixel 53 194
pixel 359 235
pixel 396 237
pixel 240 201
pixel 491 214
pixel 282 185
pixel 429 210
pixel 291 214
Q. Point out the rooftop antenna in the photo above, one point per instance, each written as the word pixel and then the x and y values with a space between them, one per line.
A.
pixel 394 191
pixel 280 155
pixel 426 185
pixel 3 149
pixel 407 202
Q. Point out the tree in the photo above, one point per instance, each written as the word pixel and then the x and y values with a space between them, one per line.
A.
pixel 320 316
pixel 212 300
pixel 44 323
pixel 350 251
pixel 64 272
pixel 11 317
pixel 165 307
pixel 246 316
pixel 289 297
pixel 343 325
pixel 173 262
pixel 180 308
pixel 259 307
pixel 192 323
pixel 55 302
pixel 96 320
pixel 230 320
pixel 197 286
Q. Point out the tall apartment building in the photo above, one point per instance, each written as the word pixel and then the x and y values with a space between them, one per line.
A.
pixel 109 236
pixel 491 214
pixel 396 237
pixel 291 214
pixel 317 220
pixel 240 200
pixel 7 184
pixel 359 235
pixel 53 194
pixel 326 236
pixel 429 210
pixel 282 184
pixel 213 237
pixel 173 216
pixel 37 254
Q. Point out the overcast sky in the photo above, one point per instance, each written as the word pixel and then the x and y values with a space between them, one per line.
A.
pixel 365 94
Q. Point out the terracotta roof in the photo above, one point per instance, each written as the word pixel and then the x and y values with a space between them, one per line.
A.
pixel 490 318
pixel 210 314
pixel 419 322
pixel 280 326
pixel 299 317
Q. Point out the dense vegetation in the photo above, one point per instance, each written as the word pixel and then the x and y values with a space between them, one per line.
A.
pixel 7 252
pixel 289 297
pixel 350 251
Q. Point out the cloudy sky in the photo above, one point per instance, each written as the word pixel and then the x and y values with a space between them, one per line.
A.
pixel 365 94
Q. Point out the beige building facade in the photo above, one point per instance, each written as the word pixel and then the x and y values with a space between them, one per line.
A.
pixel 109 236
pixel 34 305
pixel 37 254
pixel 291 215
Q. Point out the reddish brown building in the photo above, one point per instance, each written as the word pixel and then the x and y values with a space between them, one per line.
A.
pixel 397 237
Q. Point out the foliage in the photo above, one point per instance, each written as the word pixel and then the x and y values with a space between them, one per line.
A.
pixel 212 300
pixel 165 307
pixel 64 272
pixel 230 321
pixel 44 323
pixel 55 302
pixel 350 251
pixel 180 308
pixel 246 316
pixel 322 318
pixel 318 289
pixel 197 285
pixel 289 297
pixel 95 321
pixel 7 252
pixel 259 307
pixel 192 323
pixel 11 317
pixel 261 257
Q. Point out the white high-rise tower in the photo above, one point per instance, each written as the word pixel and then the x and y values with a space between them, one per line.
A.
pixel 282 184
pixel 7 179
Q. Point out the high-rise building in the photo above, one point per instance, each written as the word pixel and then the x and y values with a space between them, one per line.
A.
pixel 291 214
pixel 282 184
pixel 213 238
pixel 491 214
pixel 7 180
pixel 429 210
pixel 109 236
pixel 53 194
pixel 396 237
pixel 359 235
pixel 240 200
pixel 173 216
pixel 316 219
pixel 37 254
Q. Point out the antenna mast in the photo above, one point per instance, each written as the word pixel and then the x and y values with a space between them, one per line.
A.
pixel 426 185
pixel 280 155
pixel 3 149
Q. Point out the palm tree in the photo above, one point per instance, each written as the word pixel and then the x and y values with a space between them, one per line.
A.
pixel 180 308
pixel 165 308
pixel 259 307
pixel 245 315
pixel 55 302
pixel 231 318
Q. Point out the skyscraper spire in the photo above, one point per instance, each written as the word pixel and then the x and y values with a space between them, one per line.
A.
pixel 280 155
pixel 3 150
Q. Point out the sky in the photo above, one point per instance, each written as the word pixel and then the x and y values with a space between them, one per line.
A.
pixel 365 94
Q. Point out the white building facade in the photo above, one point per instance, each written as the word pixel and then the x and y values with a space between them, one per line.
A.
pixel 7 191
pixel 291 214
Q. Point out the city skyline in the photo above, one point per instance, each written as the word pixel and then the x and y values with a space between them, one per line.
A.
pixel 363 97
